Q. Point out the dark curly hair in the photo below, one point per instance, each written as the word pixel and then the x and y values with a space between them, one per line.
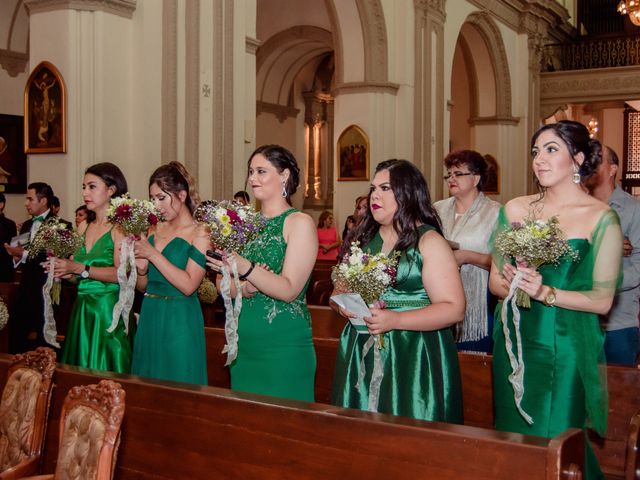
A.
pixel 282 159
pixel 473 160
pixel 414 207
pixel 576 137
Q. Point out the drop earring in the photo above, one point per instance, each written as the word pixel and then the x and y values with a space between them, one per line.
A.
pixel 284 190
pixel 576 176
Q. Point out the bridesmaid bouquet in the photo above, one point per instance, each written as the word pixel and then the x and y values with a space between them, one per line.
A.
pixel 231 226
pixel 365 274
pixel 134 217
pixel 54 238
pixel 533 243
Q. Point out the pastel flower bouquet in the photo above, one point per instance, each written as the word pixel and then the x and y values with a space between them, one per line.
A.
pixel 133 217
pixel 533 243
pixel 367 275
pixel 530 243
pixel 57 241
pixel 231 226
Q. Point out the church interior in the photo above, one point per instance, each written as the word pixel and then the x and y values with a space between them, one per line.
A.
pixel 343 85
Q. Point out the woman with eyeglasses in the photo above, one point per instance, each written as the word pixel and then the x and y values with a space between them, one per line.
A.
pixel 468 219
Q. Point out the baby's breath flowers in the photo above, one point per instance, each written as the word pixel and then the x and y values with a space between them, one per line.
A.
pixel 365 274
pixel 54 238
pixel 4 314
pixel 133 216
pixel 533 243
pixel 230 224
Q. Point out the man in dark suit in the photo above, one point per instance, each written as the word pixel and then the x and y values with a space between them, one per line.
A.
pixel 27 318
pixel 55 210
pixel 7 232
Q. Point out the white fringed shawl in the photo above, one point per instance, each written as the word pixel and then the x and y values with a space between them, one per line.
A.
pixel 472 231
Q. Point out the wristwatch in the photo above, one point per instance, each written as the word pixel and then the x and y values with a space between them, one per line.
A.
pixel 550 299
pixel 85 273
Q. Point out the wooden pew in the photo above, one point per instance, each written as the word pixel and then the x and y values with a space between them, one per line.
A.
pixel 477 392
pixel 320 285
pixel 177 431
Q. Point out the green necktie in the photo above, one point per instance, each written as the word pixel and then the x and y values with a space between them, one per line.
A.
pixel 38 218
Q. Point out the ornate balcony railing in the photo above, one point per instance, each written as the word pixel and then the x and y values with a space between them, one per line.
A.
pixel 594 53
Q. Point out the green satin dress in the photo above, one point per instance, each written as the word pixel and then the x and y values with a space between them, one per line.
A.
pixel 275 346
pixel 421 372
pixel 170 342
pixel 562 351
pixel 87 342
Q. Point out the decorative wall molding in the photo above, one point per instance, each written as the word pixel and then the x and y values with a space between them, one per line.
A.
pixel 13 62
pixel 595 85
pixel 429 104
pixel 281 112
pixel 123 8
pixel 366 87
pixel 493 38
pixel 336 33
pixel 251 45
pixel 222 99
pixel 169 141
pixel 494 120
pixel 192 85
pixel 374 32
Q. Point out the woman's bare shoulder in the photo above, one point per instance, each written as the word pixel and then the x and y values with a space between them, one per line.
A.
pixel 520 207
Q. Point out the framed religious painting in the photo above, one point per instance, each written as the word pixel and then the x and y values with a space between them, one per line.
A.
pixel 353 155
pixel 45 116
pixel 492 184
pixel 13 160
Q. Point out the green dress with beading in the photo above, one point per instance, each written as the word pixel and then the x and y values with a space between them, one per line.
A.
pixel 170 342
pixel 562 350
pixel 275 347
pixel 87 342
pixel 421 376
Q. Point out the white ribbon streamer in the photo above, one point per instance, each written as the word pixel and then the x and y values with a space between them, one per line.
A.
pixel 232 310
pixel 516 378
pixel 127 277
pixel 376 375
pixel 49 330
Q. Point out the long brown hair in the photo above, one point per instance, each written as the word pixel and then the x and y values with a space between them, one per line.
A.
pixel 174 178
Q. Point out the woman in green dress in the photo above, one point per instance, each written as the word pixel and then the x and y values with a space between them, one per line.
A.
pixel 562 342
pixel 419 376
pixel 87 342
pixel 275 347
pixel 170 342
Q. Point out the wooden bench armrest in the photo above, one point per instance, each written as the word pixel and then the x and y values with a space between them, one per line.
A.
pixel 632 465
pixel 28 466
pixel 40 477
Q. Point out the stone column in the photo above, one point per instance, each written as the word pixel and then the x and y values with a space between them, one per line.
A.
pixel 430 103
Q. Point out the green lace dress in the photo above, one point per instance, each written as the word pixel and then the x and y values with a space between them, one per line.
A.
pixel 87 342
pixel 275 347
pixel 562 350
pixel 170 342
pixel 421 375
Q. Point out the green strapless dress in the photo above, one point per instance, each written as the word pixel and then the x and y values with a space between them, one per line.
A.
pixel 562 351
pixel 421 372
pixel 170 342
pixel 87 342
pixel 275 347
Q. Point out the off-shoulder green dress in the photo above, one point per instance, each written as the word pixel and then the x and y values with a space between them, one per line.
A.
pixel 275 346
pixel 170 342
pixel 421 374
pixel 562 350
pixel 87 342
